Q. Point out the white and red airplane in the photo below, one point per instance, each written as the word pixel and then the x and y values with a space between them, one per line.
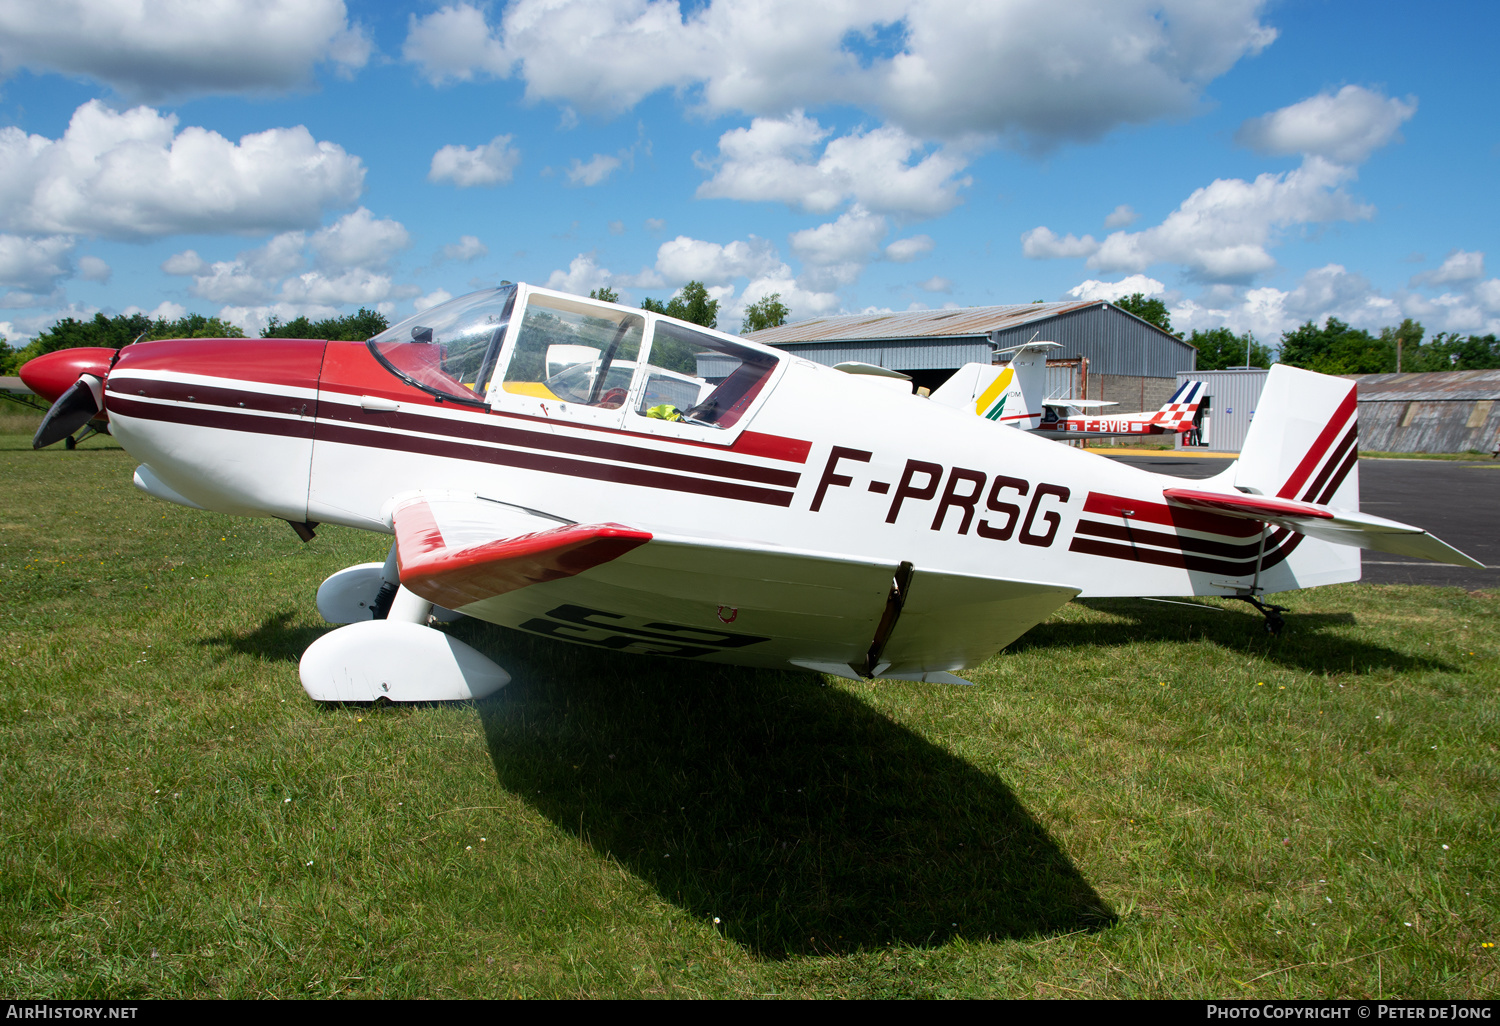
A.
pixel 715 500
pixel 1015 394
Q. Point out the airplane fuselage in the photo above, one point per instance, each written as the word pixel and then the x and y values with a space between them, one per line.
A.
pixel 782 522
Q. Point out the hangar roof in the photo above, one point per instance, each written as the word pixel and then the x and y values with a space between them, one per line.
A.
pixel 1436 386
pixel 976 321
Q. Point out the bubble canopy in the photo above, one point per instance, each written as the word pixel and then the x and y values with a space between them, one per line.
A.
pixel 450 349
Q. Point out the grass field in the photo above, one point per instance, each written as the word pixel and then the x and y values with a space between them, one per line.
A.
pixel 1135 800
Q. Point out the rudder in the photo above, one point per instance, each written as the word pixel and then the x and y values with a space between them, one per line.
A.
pixel 1303 444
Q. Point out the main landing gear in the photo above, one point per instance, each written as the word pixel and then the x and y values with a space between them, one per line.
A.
pixel 1274 621
pixel 387 650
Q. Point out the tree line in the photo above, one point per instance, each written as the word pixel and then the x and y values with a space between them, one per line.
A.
pixel 692 304
pixel 123 329
pixel 1332 348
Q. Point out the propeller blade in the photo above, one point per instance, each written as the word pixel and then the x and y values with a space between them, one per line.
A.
pixel 73 409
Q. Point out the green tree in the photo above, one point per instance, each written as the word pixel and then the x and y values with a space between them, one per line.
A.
pixel 691 304
pixel 766 312
pixel 1152 310
pixel 114 332
pixel 1448 351
pixel 1219 348
pixel 355 327
pixel 1474 352
pixel 1409 338
pixel 1336 348
pixel 604 294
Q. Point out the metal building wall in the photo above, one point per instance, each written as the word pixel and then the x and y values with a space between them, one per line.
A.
pixel 1062 382
pixel 1429 425
pixel 905 354
pixel 1442 411
pixel 1235 395
pixel 1113 341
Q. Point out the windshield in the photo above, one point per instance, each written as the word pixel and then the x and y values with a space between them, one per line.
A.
pixel 450 349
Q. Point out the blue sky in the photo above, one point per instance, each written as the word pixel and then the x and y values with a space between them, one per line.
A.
pixel 1254 164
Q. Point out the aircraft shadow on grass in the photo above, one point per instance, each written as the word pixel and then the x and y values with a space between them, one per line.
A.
pixel 1310 642
pixel 276 639
pixel 805 820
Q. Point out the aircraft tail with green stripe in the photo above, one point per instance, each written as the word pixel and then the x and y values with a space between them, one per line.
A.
pixel 1004 393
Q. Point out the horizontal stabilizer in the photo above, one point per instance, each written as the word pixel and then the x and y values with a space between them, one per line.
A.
pixel 1341 527
pixel 454 550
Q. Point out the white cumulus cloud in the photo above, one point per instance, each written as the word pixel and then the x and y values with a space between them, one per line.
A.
pixel 359 240
pixel 904 251
pixel 884 169
pixel 188 262
pixel 1112 290
pixel 454 43
pixel 1042 243
pixel 856 235
pixel 432 299
pixel 1345 127
pixel 34 264
pixel 1121 217
pixel 468 247
pixel 582 276
pixel 952 68
pixel 357 285
pixel 599 167
pixel 1223 231
pixel 835 253
pixel 685 259
pixel 167 48
pixel 227 281
pixel 1460 265
pixel 132 175
pixel 1335 291
pixel 494 163
pixel 91 268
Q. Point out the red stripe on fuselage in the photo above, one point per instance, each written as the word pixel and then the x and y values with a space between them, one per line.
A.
pixel 328 431
pixel 503 434
pixel 1107 505
pixel 550 464
pixel 254 423
pixel 1279 545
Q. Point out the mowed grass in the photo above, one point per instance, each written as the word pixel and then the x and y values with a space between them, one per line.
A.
pixel 1135 800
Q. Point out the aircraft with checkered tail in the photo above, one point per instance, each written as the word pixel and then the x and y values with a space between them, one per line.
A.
pixel 1015 394
pixel 616 478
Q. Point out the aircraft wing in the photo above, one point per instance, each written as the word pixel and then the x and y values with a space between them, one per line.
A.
pixel 1325 523
pixel 1080 404
pixel 718 596
pixel 454 550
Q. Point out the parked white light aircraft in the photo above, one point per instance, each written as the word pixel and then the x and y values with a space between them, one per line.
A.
pixel 723 501
pixel 1016 394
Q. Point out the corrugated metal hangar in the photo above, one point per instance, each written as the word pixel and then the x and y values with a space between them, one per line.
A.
pixel 1115 355
pixel 1229 404
pixel 1444 411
